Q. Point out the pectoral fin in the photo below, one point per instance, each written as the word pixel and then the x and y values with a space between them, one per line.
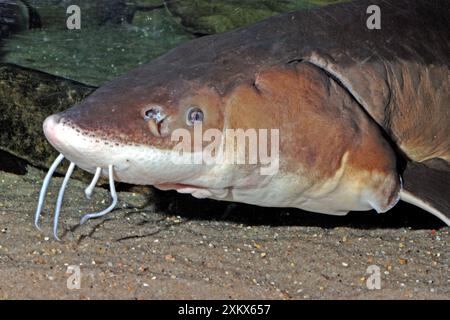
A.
pixel 427 188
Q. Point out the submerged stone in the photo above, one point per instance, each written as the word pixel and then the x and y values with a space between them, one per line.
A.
pixel 27 97
pixel 209 17
pixel 17 16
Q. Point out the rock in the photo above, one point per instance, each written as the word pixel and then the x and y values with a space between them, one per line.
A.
pixel 149 3
pixel 17 16
pixel 159 20
pixel 209 17
pixel 115 11
pixel 93 13
pixel 124 11
pixel 27 97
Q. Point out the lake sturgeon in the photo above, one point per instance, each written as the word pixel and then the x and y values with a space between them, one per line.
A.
pixel 363 116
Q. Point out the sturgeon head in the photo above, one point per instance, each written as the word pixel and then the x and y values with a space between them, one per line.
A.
pixel 329 157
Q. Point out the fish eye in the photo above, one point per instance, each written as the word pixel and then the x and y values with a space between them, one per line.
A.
pixel 194 114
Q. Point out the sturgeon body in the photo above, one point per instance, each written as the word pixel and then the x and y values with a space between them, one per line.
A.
pixel 357 111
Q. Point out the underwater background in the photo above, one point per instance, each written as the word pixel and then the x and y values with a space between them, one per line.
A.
pixel 118 35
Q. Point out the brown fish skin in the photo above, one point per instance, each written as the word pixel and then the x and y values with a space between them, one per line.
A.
pixel 330 85
pixel 317 131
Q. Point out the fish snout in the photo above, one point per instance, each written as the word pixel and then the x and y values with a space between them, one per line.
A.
pixel 70 141
pixel 50 127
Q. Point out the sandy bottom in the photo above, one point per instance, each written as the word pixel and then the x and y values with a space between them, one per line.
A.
pixel 162 245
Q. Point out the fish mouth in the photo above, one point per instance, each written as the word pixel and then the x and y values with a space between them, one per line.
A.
pixel 196 191
pixel 179 187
